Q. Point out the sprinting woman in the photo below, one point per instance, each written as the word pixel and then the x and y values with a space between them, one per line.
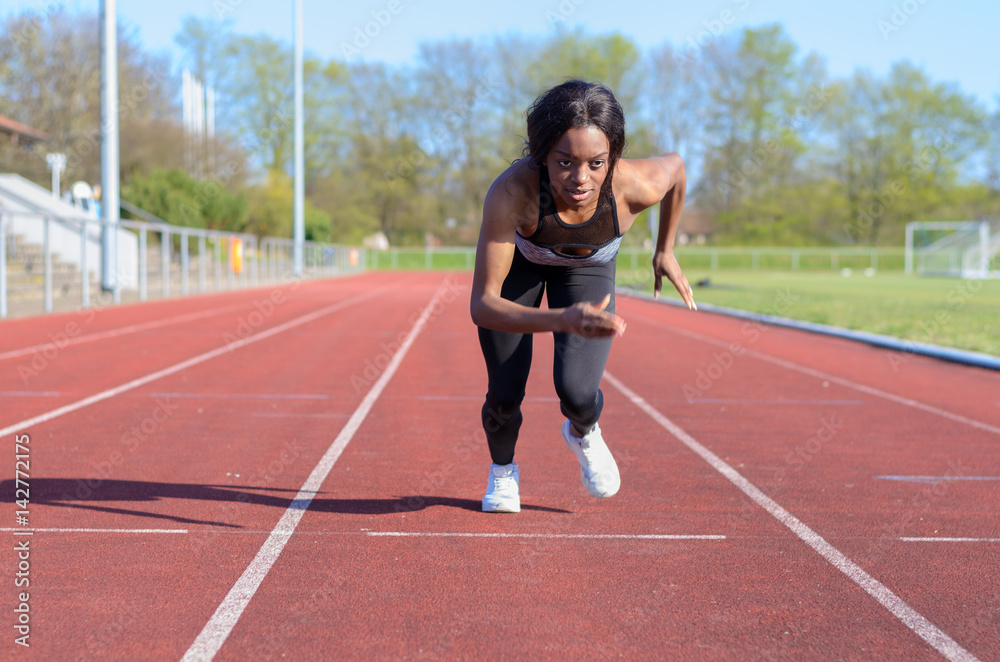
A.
pixel 554 221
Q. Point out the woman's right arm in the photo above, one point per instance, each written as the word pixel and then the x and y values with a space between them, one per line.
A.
pixel 503 211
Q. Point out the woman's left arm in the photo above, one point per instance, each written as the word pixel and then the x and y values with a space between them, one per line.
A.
pixel 661 179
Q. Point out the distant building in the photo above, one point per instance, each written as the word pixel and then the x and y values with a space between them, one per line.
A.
pixel 377 241
pixel 696 227
pixel 21 134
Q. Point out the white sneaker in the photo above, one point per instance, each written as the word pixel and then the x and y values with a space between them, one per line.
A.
pixel 502 494
pixel 598 469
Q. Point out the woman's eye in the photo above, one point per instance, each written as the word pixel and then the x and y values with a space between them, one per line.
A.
pixel 596 164
pixel 564 164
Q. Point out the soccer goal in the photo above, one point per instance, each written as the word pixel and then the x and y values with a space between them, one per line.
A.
pixel 959 249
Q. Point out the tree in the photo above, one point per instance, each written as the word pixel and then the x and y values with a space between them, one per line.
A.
pixel 270 207
pixel 609 59
pixel 51 80
pixel 51 76
pixel 900 146
pixel 677 98
pixel 253 80
pixel 458 129
pixel 179 199
pixel 754 131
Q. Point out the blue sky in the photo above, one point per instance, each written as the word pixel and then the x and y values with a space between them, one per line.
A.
pixel 952 41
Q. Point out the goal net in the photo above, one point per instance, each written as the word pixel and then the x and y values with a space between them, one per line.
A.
pixel 959 249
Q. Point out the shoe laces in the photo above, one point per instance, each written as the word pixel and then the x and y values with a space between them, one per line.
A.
pixel 584 443
pixel 503 481
pixel 588 449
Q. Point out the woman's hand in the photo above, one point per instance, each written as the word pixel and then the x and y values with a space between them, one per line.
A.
pixel 592 320
pixel 665 264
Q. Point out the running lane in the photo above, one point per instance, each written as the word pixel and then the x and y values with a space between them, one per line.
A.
pixel 393 559
pixel 155 500
pixel 876 456
pixel 396 560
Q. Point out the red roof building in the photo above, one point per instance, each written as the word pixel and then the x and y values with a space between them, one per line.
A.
pixel 21 133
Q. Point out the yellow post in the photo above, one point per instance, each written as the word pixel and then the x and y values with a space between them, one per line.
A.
pixel 236 255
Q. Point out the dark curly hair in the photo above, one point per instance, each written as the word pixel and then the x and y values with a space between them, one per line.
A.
pixel 575 104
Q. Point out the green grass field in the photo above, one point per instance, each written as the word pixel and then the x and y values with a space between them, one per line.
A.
pixel 963 314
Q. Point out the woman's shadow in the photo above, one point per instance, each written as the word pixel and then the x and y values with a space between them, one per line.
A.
pixel 90 494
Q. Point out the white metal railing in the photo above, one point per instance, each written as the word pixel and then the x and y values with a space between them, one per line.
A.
pixel 458 258
pixel 186 260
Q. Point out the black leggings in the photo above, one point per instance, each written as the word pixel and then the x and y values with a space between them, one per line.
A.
pixel 579 362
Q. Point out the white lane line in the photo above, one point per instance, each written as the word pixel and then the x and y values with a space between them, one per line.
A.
pixel 822 375
pixel 183 365
pixel 244 396
pixel 555 536
pixel 476 398
pixel 916 622
pixel 59 344
pixel 98 530
pixel 950 539
pixel 270 415
pixel 431 534
pixel 935 480
pixel 772 401
pixel 222 622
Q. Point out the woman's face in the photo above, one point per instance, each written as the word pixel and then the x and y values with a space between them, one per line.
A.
pixel 578 166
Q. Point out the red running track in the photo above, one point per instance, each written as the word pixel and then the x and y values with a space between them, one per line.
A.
pixel 296 473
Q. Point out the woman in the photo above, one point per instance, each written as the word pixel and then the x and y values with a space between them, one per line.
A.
pixel 554 220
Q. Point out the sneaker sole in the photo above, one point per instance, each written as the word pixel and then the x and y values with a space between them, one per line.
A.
pixel 500 508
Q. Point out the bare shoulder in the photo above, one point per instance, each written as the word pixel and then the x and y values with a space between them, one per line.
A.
pixel 641 183
pixel 512 199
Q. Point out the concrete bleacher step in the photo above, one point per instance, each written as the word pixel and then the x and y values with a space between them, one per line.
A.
pixel 26 272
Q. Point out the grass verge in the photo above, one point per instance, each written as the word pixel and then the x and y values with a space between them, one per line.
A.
pixel 963 314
